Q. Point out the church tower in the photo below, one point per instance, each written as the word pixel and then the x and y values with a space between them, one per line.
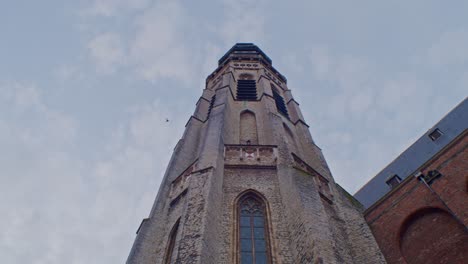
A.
pixel 247 183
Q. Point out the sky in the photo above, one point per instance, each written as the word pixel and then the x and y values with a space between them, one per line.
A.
pixel 86 86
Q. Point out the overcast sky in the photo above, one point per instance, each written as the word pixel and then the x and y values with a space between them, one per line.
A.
pixel 86 86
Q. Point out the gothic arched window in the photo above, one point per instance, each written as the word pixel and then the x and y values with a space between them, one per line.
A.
pixel 171 243
pixel 253 239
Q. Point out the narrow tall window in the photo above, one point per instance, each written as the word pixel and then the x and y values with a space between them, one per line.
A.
pixel 171 243
pixel 253 241
pixel 248 128
pixel 280 105
pixel 213 99
pixel 246 88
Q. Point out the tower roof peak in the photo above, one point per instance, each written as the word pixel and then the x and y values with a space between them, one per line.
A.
pixel 244 50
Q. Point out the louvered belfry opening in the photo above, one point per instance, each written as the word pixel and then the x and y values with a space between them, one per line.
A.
pixel 213 99
pixel 246 88
pixel 280 105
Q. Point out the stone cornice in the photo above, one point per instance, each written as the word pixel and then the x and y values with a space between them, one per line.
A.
pixel 228 166
pixel 200 99
pixel 292 100
pixel 301 121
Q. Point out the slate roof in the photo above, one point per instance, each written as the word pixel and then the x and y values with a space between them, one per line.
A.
pixel 244 48
pixel 406 164
pixel 250 51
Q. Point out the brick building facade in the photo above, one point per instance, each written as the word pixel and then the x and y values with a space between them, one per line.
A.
pixel 421 216
pixel 247 183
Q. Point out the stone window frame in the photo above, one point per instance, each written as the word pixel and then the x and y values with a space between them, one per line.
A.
pixel 236 225
pixel 254 140
pixel 171 241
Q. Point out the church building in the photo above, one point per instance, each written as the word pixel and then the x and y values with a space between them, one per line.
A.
pixel 248 184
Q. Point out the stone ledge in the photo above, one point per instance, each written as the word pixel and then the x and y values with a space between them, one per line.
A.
pixel 141 224
pixel 250 155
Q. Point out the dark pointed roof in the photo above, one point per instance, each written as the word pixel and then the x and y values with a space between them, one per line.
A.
pixel 247 51
pixel 244 49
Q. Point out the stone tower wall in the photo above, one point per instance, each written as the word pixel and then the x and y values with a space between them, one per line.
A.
pixel 309 220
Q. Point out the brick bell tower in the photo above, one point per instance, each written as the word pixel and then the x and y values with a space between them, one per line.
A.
pixel 247 183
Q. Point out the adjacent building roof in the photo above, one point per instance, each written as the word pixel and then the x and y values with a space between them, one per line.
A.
pixel 406 164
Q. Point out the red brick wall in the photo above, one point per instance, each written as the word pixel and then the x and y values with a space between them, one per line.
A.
pixel 433 236
pixel 412 224
pixel 452 187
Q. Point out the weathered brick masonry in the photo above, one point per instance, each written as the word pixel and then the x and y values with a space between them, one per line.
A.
pixel 247 183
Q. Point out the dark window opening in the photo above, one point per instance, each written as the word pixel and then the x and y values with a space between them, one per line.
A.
pixel 213 99
pixel 393 181
pixel 246 90
pixel 280 105
pixel 253 242
pixel 432 175
pixel 436 134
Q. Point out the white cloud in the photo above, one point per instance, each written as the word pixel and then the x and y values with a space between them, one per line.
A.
pixel 163 43
pixel 348 72
pixel 158 49
pixel 24 101
pixel 463 81
pixel 112 7
pixel 353 73
pixel 399 92
pixel 25 96
pixel 243 21
pixel 67 72
pixel 351 82
pixel 449 49
pixel 360 102
pixel 320 61
pixel 292 62
pixel 76 206
pixel 39 178
pixel 378 111
pixel 107 50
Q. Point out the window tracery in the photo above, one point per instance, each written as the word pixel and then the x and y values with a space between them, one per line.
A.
pixel 253 241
